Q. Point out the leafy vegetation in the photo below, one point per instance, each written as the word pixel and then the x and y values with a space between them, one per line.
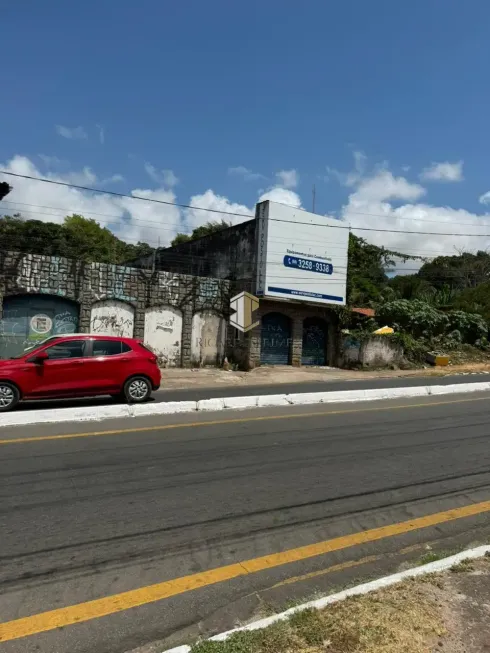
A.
pixel 77 237
pixel 206 229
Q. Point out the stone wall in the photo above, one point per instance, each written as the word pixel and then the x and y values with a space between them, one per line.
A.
pixel 115 300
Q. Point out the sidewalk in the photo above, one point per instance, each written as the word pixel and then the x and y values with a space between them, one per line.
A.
pixel 177 378
pixel 447 612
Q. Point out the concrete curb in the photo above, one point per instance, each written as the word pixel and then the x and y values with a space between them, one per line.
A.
pixel 366 588
pixel 98 413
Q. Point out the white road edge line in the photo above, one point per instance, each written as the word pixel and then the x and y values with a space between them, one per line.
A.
pixel 98 413
pixel 366 588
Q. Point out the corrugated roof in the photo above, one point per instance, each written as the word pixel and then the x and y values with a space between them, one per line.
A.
pixel 368 312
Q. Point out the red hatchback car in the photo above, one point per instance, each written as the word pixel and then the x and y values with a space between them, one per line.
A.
pixel 80 365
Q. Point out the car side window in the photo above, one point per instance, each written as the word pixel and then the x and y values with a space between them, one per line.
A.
pixel 67 349
pixel 108 347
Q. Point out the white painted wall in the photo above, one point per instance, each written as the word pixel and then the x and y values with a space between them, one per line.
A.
pixel 163 334
pixel 112 318
pixel 208 339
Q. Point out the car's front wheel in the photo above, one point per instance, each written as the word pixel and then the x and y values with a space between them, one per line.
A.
pixel 137 389
pixel 9 396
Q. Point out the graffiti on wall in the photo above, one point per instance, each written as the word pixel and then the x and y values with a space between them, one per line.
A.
pixel 208 339
pixel 112 318
pixel 169 286
pixel 38 274
pixel 65 322
pixel 28 319
pixel 208 289
pixel 111 281
pixel 163 334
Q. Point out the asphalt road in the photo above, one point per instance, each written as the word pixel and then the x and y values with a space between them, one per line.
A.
pixel 216 391
pixel 98 513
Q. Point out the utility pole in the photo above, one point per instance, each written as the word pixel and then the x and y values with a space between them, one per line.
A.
pixel 154 258
pixel 313 195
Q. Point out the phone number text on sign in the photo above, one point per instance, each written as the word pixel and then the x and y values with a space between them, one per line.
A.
pixel 308 265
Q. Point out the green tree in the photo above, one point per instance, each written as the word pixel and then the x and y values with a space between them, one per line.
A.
pixel 78 238
pixel 85 239
pixel 32 236
pixel 475 300
pixel 367 279
pixel 457 272
pixel 206 229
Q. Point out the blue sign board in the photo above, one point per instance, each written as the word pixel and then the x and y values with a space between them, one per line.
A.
pixel 308 264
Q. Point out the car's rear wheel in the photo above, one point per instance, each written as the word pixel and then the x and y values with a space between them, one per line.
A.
pixel 137 389
pixel 9 396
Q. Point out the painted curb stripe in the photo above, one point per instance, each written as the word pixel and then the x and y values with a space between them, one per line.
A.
pixel 359 590
pixel 237 420
pixel 97 413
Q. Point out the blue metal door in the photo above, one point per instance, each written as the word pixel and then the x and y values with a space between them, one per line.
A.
pixel 314 342
pixel 275 340
pixel 28 319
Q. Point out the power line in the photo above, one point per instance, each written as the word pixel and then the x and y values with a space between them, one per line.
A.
pixel 398 217
pixel 124 195
pixel 234 214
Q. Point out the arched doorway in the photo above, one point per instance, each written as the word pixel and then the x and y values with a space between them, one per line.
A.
pixel 275 339
pixel 111 317
pixel 314 350
pixel 28 319
pixel 208 339
pixel 163 334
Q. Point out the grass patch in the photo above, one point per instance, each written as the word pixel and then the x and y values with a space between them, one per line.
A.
pixel 464 565
pixel 431 556
pixel 404 618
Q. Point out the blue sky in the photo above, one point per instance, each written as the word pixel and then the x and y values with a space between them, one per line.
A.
pixel 99 91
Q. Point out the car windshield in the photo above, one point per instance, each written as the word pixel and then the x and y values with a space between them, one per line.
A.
pixel 34 346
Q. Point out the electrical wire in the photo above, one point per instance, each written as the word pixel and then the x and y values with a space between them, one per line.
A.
pixel 230 213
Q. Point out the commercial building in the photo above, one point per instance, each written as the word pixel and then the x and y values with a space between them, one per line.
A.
pixel 294 261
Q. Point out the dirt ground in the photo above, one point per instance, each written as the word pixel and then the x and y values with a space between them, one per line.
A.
pixel 176 378
pixel 447 612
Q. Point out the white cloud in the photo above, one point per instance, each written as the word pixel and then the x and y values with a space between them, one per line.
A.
pixel 72 133
pixel 169 179
pixel 245 173
pixel 485 198
pixel 221 207
pixel 287 178
pixel 161 177
pixel 131 220
pixel 282 196
pixel 51 161
pixel 354 176
pixel 371 205
pixel 446 172
pixel 113 179
pixel 384 186
pixel 101 134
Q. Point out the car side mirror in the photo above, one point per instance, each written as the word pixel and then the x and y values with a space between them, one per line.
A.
pixel 39 359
